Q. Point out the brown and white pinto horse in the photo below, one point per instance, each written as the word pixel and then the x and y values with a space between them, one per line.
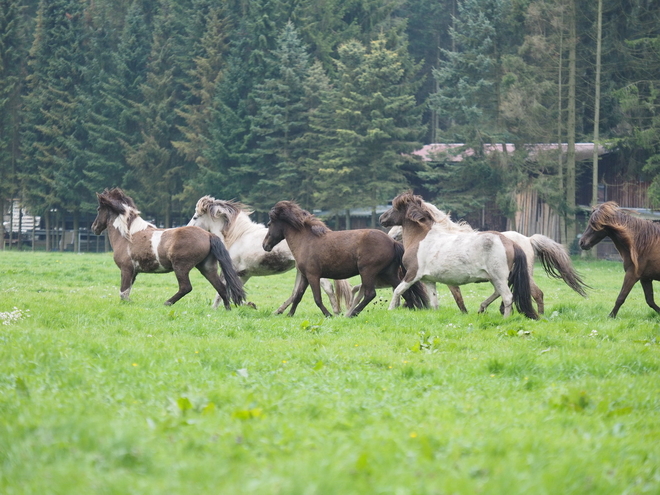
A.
pixel 457 258
pixel 140 247
pixel 321 252
pixel 638 243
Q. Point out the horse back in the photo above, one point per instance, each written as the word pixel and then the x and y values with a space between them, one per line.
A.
pixel 342 254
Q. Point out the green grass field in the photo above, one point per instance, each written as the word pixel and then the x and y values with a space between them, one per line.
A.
pixel 103 397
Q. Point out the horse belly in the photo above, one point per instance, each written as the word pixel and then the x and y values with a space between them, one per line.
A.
pixel 147 256
pixel 449 262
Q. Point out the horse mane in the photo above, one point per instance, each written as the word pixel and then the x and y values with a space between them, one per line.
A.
pixel 238 221
pixel 128 220
pixel 414 206
pixel 289 212
pixel 445 221
pixel 635 233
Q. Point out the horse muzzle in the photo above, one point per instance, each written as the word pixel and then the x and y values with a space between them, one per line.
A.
pixel 584 245
pixel 266 245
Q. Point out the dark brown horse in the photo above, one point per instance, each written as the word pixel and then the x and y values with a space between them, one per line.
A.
pixel 321 252
pixel 140 247
pixel 638 243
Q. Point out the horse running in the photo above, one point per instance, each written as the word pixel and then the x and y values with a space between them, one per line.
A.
pixel 434 255
pixel 553 256
pixel 321 252
pixel 230 221
pixel 638 243
pixel 140 247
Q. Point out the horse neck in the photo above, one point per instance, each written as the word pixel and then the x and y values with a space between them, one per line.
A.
pixel 296 238
pixel 413 232
pixel 241 225
pixel 117 240
pixel 624 244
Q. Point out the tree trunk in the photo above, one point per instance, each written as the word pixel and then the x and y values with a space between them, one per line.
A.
pixel 571 227
pixel 594 175
pixel 76 231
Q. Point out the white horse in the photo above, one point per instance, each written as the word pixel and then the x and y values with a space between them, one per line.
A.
pixel 553 256
pixel 230 221
pixel 433 254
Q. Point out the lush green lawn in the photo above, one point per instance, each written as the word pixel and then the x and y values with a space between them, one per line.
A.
pixel 99 396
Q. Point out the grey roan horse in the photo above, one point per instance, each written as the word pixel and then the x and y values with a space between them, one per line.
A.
pixel 141 247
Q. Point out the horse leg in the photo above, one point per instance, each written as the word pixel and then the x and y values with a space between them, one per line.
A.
pixel 647 285
pixel 629 281
pixel 185 287
pixel 329 289
pixel 128 275
pixel 458 297
pixel 537 295
pixel 296 286
pixel 298 293
pixel 433 294
pixel 210 272
pixel 484 305
pixel 358 294
pixel 502 289
pixel 368 291
pixel 315 284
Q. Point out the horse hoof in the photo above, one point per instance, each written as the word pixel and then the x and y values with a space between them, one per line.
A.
pixel 251 305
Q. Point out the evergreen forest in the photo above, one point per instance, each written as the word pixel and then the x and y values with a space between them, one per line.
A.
pixel 320 101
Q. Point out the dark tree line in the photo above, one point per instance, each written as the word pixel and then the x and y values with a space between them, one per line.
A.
pixel 320 101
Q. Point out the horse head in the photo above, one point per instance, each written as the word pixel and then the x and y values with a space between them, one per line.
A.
pixel 287 214
pixel 602 217
pixel 115 204
pixel 216 215
pixel 407 206
pixel 112 202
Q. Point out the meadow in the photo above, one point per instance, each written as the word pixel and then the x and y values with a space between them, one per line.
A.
pixel 99 396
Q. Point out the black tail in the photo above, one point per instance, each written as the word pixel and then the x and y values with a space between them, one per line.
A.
pixel 232 280
pixel 416 296
pixel 519 283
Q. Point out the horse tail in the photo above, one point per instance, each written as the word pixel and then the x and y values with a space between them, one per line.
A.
pixel 232 280
pixel 557 263
pixel 344 292
pixel 416 296
pixel 519 283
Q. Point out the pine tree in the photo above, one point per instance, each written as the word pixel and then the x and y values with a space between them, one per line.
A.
pixel 114 122
pixel 12 56
pixel 211 49
pixel 376 123
pixel 279 123
pixel 53 134
pixel 157 171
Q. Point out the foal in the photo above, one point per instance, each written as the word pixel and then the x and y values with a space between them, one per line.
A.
pixel 321 252
pixel 638 243
pixel 139 247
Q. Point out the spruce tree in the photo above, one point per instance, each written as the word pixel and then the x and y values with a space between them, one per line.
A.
pixel 53 131
pixel 12 65
pixel 376 124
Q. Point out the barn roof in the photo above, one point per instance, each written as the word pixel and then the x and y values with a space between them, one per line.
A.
pixel 438 151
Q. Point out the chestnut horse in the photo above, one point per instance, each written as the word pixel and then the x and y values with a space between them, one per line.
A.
pixel 638 243
pixel 140 247
pixel 230 220
pixel 456 258
pixel 321 252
